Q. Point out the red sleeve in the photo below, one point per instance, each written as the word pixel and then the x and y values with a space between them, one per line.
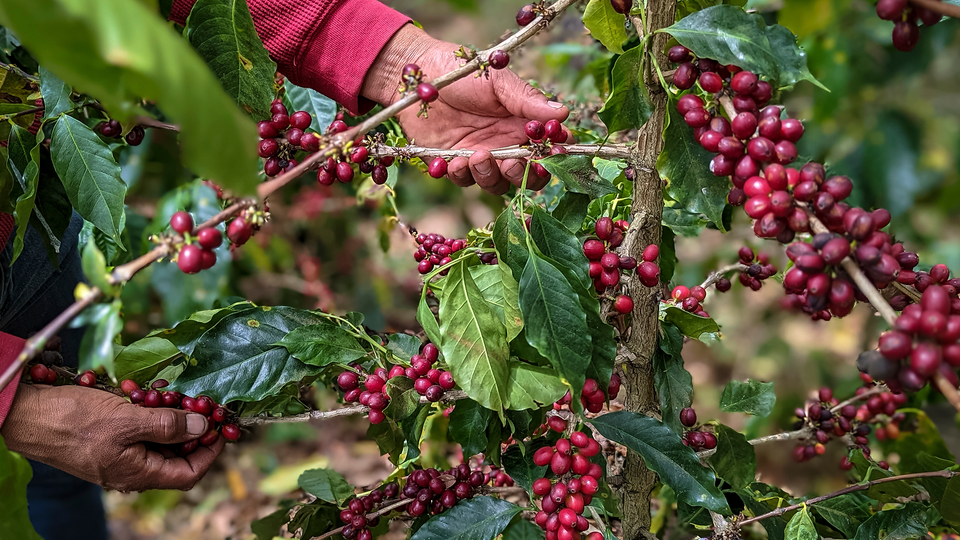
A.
pixel 327 45
pixel 10 347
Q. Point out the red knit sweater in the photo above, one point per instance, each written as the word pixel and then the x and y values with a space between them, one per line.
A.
pixel 327 45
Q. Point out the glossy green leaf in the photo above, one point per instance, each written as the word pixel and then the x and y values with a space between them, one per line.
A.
pixel 389 438
pixel 322 344
pixel 412 429
pixel 560 245
pixel 468 426
pixel 685 165
pixel 845 512
pixel 321 108
pixel 906 523
pixel 222 32
pixel 23 155
pixel 689 324
pixel 142 359
pixel 682 222
pixel 602 340
pixel 235 359
pixel 268 527
pixel 15 474
pixel 89 173
pixel 479 518
pixel 571 210
pixel 628 106
pixel 518 463
pixel 556 324
pixel 735 460
pixel 801 527
pixel 533 387
pixel 95 267
pixel 760 498
pixel 605 25
pixel 473 340
pixel 730 35
pixel 403 346
pixel 663 452
pixel 96 347
pixel 428 321
pixel 578 175
pixel 89 45
pixel 522 529
pixel 950 503
pixel 498 287
pixel 404 400
pixel 673 382
pixel 314 519
pixel 751 397
pixel 327 485
pixel 56 94
pixel 509 237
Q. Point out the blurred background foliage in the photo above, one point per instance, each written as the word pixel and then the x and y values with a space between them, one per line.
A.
pixel 891 122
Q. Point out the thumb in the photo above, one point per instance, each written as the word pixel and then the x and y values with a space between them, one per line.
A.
pixel 525 101
pixel 165 426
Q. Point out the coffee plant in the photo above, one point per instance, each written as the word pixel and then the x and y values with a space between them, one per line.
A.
pixel 551 339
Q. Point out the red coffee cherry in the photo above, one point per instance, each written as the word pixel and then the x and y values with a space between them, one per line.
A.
pixel 437 168
pixel 688 417
pixel 300 120
pixel 135 136
pixel 427 92
pixel 239 231
pixel 526 15
pixel 209 238
pixel 623 304
pixel 182 222
pixel 534 130
pixel 230 432
pixel 189 260
pixel 499 59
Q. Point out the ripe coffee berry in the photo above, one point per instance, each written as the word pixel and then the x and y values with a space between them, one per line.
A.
pixel 553 130
pixel 111 128
pixel 181 222
pixel 437 167
pixel 190 259
pixel 300 120
pixel 239 231
pixel 744 83
pixel 526 15
pixel 622 6
pixel 209 238
pixel 623 304
pixel 711 82
pixel 87 378
pixel 135 136
pixel 499 59
pixel 534 130
pixel 427 92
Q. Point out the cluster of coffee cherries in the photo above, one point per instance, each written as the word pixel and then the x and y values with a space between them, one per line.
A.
pixel 40 372
pixel 113 129
pixel 606 264
pixel 435 250
pixel 333 169
pixel 689 299
pixel 758 269
pixel 592 399
pixel 698 439
pixel 428 381
pixel 750 92
pixel 906 33
pixel 199 255
pixel 435 492
pixel 282 136
pixel 924 341
pixel 545 138
pixel 576 480
pixel 155 397
pixel 411 79
pixel 356 522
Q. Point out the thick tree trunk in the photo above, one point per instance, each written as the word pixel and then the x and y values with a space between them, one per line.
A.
pixel 647 211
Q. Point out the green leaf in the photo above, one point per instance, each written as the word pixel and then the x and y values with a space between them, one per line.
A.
pixel 605 25
pixel 142 359
pixel 735 460
pixel 751 397
pixel 314 519
pixel 90 45
pixel 560 245
pixel 923 440
pixel 509 237
pixel 556 324
pixel 628 106
pixel 906 523
pixel 321 108
pixel 572 209
pixel 731 36
pixel 682 222
pixel 266 528
pixel 222 32
pixel 533 387
pixel 689 324
pixel 428 320
pixel 404 400
pixel 322 344
pixel 403 346
pixel 685 165
pixel 235 359
pixel 95 267
pixel 473 340
pixel 56 94
pixel 760 499
pixel 801 527
pixel 389 438
pixel 412 429
pixel 23 155
pixel 518 463
pixel 578 175
pixel 950 503
pixel 522 529
pixel 845 512
pixel 664 453
pixel 480 518
pixel 15 474
pixel 498 287
pixel 673 382
pixel 89 173
pixel 96 347
pixel 468 426
pixel 326 485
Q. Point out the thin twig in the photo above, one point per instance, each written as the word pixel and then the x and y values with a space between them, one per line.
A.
pixel 372 515
pixel 909 291
pixel 943 8
pixel 849 489
pixel 453 395
pixel 609 151
pixel 67 374
pixel 411 98
pixel 31 110
pixel 784 436
pixel 878 389
pixel 146 121
pixel 715 276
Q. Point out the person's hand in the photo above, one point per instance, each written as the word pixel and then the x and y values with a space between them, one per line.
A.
pixel 102 438
pixel 473 113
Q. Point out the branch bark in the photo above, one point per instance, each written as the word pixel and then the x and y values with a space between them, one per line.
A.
pixel 324 415
pixel 608 151
pixel 645 229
